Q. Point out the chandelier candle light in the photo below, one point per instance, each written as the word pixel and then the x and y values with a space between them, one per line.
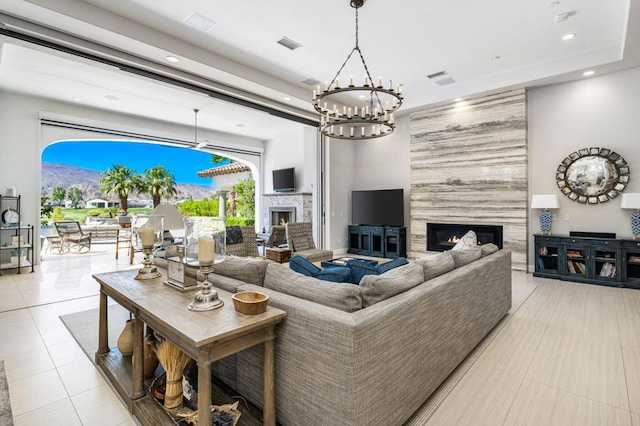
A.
pixel 342 116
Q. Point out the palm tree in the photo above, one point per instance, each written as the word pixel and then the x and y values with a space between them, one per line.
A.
pixel 219 159
pixel 120 180
pixel 158 182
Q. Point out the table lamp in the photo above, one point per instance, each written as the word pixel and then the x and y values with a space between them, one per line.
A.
pixel 545 202
pixel 632 201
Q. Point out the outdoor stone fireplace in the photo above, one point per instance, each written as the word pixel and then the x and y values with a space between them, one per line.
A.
pixel 287 207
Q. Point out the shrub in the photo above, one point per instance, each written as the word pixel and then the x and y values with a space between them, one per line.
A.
pixel 58 214
pixel 240 221
pixel 94 212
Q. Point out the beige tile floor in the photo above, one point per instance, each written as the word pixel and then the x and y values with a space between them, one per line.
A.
pixel 568 356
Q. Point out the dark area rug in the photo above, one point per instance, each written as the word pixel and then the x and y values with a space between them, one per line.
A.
pixel 6 416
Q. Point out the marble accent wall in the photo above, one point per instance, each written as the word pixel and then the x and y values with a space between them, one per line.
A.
pixel 301 201
pixel 469 165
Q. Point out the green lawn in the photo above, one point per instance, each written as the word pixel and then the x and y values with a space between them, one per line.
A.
pixel 80 215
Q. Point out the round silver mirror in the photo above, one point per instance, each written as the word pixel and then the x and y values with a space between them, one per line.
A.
pixel 592 175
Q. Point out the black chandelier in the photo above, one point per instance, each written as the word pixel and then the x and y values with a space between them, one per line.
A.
pixel 367 115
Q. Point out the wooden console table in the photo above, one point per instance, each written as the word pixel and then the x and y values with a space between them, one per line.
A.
pixel 204 336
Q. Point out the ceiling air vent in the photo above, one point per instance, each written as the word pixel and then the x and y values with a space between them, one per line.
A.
pixel 311 82
pixel 200 22
pixel 441 78
pixel 288 43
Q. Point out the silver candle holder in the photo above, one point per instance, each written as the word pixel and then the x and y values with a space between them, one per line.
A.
pixel 206 298
pixel 148 270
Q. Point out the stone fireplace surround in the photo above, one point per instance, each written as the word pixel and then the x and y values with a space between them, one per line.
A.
pixel 299 204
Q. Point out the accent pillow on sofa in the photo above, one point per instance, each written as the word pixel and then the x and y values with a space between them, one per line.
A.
pixel 436 265
pixel 488 248
pixel 376 288
pixel 303 266
pixel 248 269
pixel 464 257
pixel 468 240
pixel 346 298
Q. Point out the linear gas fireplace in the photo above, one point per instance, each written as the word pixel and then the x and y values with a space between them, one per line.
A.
pixel 443 236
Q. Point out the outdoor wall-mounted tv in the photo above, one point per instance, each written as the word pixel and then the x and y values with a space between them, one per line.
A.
pixel 378 207
pixel 284 180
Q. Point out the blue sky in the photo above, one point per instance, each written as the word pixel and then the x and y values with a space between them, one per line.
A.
pixel 99 156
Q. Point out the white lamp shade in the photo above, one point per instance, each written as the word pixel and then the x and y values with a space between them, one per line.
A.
pixel 172 217
pixel 544 201
pixel 630 201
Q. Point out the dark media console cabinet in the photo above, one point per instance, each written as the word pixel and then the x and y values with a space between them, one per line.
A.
pixel 378 241
pixel 605 261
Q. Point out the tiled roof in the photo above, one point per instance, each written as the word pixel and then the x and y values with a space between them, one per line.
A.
pixel 229 169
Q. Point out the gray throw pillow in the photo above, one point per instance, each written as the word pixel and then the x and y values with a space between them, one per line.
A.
pixel 345 297
pixel 436 265
pixel 488 248
pixel 248 269
pixel 376 288
pixel 464 257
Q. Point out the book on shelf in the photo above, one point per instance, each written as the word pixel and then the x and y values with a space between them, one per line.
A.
pixel 570 266
pixel 579 266
pixel 608 270
pixel 574 253
pixel 542 251
pixel 634 259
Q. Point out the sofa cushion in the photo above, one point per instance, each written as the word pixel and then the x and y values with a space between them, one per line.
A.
pixel 336 274
pixel 248 269
pixel 359 269
pixel 346 298
pixel 436 265
pixel 488 248
pixel 376 288
pixel 468 240
pixel 464 257
pixel 303 266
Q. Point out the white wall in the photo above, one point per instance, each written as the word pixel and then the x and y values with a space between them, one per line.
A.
pixel 599 111
pixel 290 149
pixel 381 163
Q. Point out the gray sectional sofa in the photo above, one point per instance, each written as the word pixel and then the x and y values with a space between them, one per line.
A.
pixel 371 353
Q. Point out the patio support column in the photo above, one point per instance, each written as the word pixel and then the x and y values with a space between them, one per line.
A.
pixel 222 207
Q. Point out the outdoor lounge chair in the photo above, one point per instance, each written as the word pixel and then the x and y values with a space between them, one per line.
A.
pixel 72 236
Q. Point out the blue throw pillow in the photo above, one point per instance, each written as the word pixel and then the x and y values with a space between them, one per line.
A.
pixel 303 266
pixel 336 274
pixel 359 269
pixel 387 266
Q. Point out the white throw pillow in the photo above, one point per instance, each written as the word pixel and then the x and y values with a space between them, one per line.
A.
pixel 468 240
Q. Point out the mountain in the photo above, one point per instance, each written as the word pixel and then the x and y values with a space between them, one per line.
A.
pixel 55 174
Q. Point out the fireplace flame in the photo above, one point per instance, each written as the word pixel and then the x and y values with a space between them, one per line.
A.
pixel 453 239
pixel 282 221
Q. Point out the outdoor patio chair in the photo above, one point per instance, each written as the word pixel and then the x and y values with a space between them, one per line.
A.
pixel 278 237
pixel 73 236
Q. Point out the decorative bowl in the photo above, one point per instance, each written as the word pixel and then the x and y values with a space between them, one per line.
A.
pixel 250 302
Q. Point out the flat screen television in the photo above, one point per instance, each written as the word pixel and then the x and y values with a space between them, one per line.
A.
pixel 284 180
pixel 378 207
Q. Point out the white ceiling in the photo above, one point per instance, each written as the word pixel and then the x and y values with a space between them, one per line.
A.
pixel 403 40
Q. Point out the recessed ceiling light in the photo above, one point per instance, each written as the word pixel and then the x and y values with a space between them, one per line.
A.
pixel 200 22
pixel 457 99
pixel 588 73
pixel 554 3
pixel 75 99
pixel 569 36
pixel 286 98
pixel 173 59
pixel 241 126
pixel 495 58
pixel 362 96
pixel 111 97
pixel 561 17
